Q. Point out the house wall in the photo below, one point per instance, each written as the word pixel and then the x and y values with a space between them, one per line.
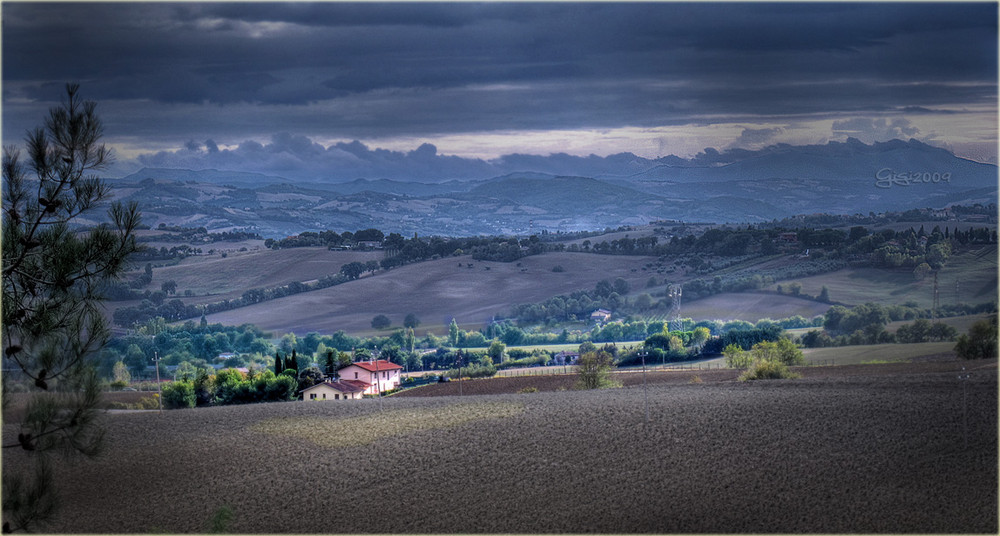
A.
pixel 387 379
pixel 325 392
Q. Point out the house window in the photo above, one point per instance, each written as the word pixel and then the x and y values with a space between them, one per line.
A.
pixel 312 396
pixel 336 397
pixel 324 396
pixel 355 375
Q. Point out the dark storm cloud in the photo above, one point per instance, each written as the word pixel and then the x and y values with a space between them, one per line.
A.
pixel 348 71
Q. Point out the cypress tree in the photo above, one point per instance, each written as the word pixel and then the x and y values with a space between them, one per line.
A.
pixel 278 364
pixel 329 363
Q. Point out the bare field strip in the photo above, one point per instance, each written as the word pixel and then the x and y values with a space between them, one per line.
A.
pixel 230 277
pixel 870 453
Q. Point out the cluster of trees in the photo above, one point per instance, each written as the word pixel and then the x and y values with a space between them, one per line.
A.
pixel 765 360
pixel 182 251
pixel 594 369
pixel 401 250
pixel 781 350
pixel 332 239
pixel 743 338
pixel 980 342
pixel 230 386
pixel 865 324
pixel 507 250
pixel 179 233
pixel 882 218
pixel 197 343
pixel 920 330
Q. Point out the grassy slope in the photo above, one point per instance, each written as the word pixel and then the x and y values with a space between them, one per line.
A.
pixel 960 323
pixel 975 271
pixel 750 307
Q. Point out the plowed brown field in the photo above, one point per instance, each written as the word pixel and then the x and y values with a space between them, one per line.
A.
pixel 874 449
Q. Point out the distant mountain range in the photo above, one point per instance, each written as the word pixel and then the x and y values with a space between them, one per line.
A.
pixel 563 192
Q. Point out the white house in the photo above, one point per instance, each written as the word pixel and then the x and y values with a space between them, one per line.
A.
pixel 380 375
pixel 334 390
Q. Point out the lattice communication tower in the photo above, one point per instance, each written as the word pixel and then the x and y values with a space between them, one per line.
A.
pixel 674 316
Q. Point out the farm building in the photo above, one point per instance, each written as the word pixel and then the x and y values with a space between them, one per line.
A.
pixel 788 238
pixel 380 375
pixel 565 358
pixel 335 390
pixel 600 315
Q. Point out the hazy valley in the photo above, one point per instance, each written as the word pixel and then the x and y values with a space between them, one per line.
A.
pixel 575 194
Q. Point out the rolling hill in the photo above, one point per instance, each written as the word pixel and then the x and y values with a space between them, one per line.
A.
pixel 436 291
pixel 474 292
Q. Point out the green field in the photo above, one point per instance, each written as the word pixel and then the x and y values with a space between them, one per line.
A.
pixel 854 355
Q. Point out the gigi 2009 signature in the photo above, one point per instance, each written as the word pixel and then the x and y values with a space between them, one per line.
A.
pixel 887 178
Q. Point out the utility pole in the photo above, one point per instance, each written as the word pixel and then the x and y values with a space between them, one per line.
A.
pixel 645 394
pixel 459 372
pixel 937 297
pixel 159 390
pixel 378 388
pixel 964 378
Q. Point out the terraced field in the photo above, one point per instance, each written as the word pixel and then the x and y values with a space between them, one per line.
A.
pixel 886 449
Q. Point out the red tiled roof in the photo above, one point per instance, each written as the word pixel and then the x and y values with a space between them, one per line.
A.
pixel 382 365
pixel 357 383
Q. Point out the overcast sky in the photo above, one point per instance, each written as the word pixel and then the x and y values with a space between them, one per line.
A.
pixel 273 86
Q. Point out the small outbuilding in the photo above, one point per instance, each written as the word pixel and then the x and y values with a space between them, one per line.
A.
pixel 334 390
